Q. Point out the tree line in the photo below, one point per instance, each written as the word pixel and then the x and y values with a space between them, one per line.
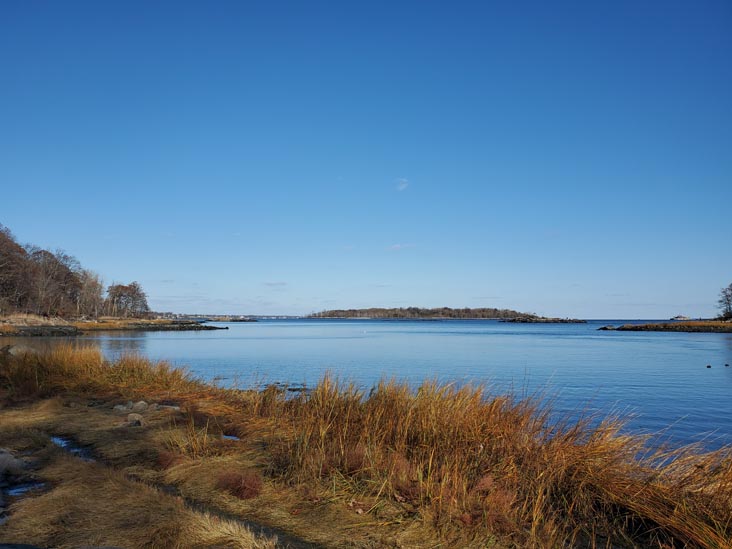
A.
pixel 418 312
pixel 38 281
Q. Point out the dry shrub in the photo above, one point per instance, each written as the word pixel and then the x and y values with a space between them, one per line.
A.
pixel 244 485
pixel 167 459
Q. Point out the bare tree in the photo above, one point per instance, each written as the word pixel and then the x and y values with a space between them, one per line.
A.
pixel 725 302
pixel 55 285
pixel 127 300
pixel 35 280
pixel 14 283
pixel 91 299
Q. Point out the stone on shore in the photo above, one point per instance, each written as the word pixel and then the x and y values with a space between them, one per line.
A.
pixel 139 406
pixel 9 464
pixel 135 420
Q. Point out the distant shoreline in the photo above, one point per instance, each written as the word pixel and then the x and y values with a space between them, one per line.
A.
pixel 38 326
pixel 696 326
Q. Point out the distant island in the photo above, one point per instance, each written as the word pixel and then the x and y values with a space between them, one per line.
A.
pixel 439 313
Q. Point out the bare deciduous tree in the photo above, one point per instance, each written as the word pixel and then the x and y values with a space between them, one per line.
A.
pixel 14 284
pixel 725 302
pixel 91 298
pixel 127 300
pixel 34 280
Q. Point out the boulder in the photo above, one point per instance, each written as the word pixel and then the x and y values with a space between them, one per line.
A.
pixel 139 406
pixel 171 407
pixel 135 420
pixel 9 464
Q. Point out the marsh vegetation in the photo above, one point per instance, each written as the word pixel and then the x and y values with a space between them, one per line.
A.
pixel 439 462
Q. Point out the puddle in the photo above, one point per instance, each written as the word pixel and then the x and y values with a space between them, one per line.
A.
pixel 74 449
pixel 23 488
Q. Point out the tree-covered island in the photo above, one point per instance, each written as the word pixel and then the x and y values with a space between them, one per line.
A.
pixel 438 313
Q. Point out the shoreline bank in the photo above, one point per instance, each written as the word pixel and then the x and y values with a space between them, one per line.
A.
pixel 700 326
pixel 37 326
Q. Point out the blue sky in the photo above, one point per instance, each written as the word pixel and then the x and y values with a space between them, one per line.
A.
pixel 565 158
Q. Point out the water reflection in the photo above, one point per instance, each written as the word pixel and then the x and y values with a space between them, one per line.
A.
pixel 111 345
pixel 43 344
pixel 728 343
pixel 115 346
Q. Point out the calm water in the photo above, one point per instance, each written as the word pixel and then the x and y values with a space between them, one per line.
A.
pixel 660 378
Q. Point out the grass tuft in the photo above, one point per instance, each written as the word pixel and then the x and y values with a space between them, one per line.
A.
pixel 244 485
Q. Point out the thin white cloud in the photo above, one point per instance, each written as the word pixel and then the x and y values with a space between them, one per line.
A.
pixel 401 184
pixel 276 284
pixel 399 247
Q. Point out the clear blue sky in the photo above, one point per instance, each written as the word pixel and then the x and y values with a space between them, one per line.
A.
pixel 565 158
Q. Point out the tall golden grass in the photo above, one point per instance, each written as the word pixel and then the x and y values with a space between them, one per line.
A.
pixel 473 464
pixel 460 456
pixel 83 369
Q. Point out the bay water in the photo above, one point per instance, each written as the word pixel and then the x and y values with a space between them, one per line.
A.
pixel 658 380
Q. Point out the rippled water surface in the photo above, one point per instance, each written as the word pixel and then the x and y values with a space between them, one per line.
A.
pixel 659 378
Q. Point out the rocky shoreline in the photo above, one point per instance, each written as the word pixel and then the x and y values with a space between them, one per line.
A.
pixel 711 326
pixel 55 328
pixel 42 331
pixel 174 326
pixel 543 320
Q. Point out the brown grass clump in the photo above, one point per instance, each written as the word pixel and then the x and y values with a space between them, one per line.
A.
pixel 244 485
pixel 167 459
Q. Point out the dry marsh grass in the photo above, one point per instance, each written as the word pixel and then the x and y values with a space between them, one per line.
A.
pixel 66 368
pixel 124 513
pixel 467 466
